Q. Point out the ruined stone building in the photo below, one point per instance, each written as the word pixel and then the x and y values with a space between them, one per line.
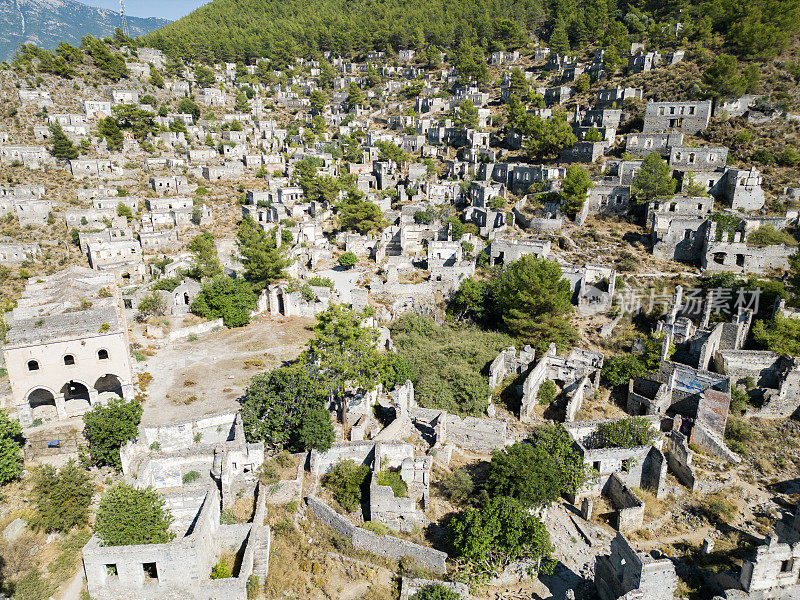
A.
pixel 67 346
pixel 181 569
pixel 625 573
pixel 214 447
pixel 684 117
pixel 618 471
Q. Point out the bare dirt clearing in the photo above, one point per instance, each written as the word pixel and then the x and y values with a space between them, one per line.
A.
pixel 209 375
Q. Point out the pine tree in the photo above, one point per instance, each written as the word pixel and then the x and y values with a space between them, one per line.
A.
pixel 559 42
pixel 263 260
pixel 62 148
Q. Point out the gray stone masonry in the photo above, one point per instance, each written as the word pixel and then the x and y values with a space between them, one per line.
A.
pixel 181 569
pixel 685 117
pixel 387 546
pixel 409 587
pixel 625 571
pixel 773 571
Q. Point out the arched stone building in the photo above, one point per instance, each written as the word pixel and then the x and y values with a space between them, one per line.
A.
pixel 67 346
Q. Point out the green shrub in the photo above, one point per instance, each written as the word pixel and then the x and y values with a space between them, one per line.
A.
pixel 446 363
pixel 626 433
pixel 547 392
pixel 252 587
pixel 738 434
pixel 458 486
pixel 226 517
pixel 348 260
pixel 33 586
pixel 190 477
pixel 226 298
pixel 393 480
pixel 377 528
pixel 221 570
pixel 61 497
pixel 346 482
pixel 10 449
pixel 318 281
pixel 435 592
pixel 108 427
pixel 130 516
pixel 718 509
pixel 619 370
pixel 767 235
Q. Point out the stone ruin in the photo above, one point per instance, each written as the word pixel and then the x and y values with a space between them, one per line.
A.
pixel 399 513
pixel 181 569
pixel 618 470
pixel 625 574
pixel 213 447
pixel 698 399
pixel 576 375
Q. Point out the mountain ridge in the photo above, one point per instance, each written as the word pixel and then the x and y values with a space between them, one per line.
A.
pixel 46 23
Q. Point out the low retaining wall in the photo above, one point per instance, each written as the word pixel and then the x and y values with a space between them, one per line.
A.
pixel 385 545
pixel 195 329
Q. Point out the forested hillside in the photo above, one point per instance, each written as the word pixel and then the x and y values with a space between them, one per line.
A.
pixel 242 30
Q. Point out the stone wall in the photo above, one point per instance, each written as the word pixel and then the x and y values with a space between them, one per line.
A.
pixel 400 514
pixel 386 546
pixel 473 434
pixel 630 509
pixel 710 443
pixel 381 454
pixel 679 459
pixel 774 569
pixel 198 329
pixel 409 587
pixel 738 364
pixel 625 571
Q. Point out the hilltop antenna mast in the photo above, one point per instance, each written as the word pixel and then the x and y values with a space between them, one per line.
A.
pixel 125 29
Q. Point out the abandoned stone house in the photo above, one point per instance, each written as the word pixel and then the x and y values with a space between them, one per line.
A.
pixel 122 257
pixel 678 235
pixel 124 96
pixel 698 401
pixel 213 446
pixel 15 253
pixel 697 159
pixel 614 97
pixel 93 218
pixel 28 210
pixel 113 202
pixel 96 108
pixel 735 254
pixel 161 240
pixel 685 117
pixel 575 375
pixel 181 569
pixel 67 346
pixel 40 98
pixel 642 144
pixel 32 157
pixel 170 184
pixel 503 251
pixel 626 573
pixel 104 235
pixel 618 470
pixel 93 168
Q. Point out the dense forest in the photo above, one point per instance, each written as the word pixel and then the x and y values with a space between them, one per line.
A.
pixel 243 30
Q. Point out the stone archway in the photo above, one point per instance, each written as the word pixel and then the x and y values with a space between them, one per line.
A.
pixel 109 384
pixel 42 403
pixel 76 398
